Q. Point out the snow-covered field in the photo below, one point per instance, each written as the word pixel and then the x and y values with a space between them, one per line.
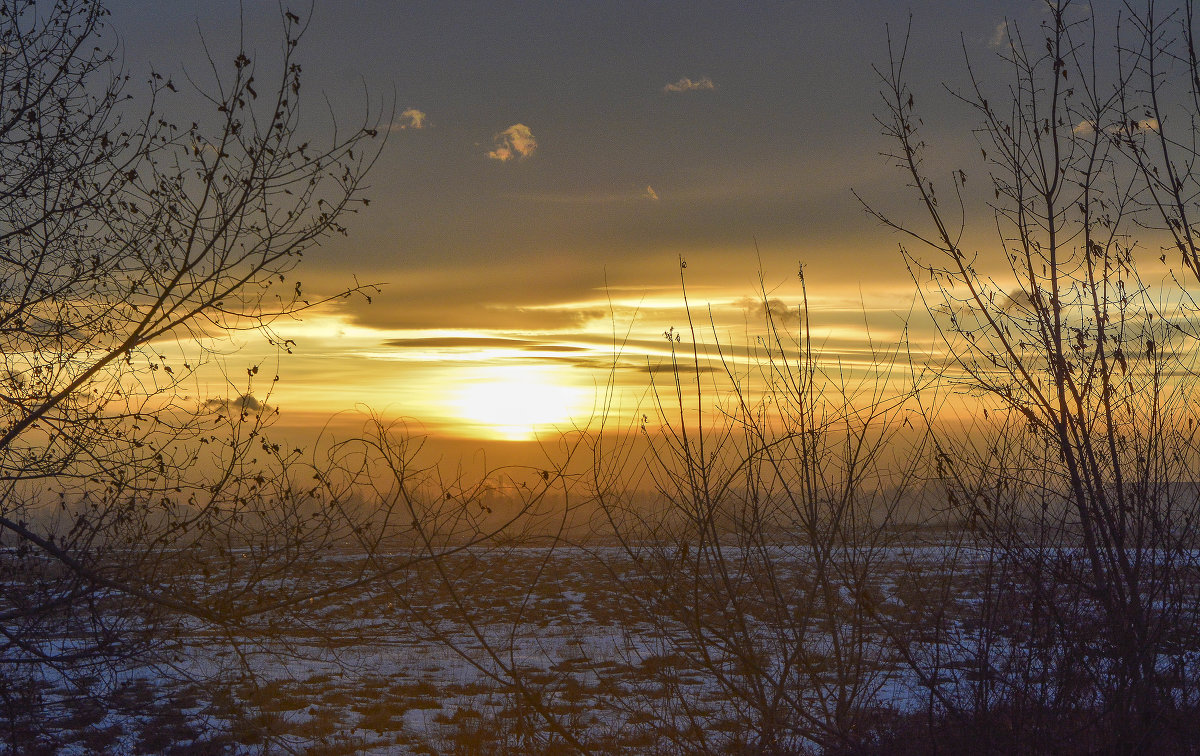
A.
pixel 495 648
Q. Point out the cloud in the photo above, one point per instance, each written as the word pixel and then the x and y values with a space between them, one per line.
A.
pixel 514 143
pixel 463 342
pixel 410 119
pixel 687 85
pixel 593 197
pixel 1000 35
pixel 680 367
pixel 778 311
pixel 1016 299
pixel 244 403
pixel 1089 127
pixel 442 308
pixel 481 342
pixel 554 348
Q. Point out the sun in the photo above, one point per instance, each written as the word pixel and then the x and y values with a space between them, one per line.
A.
pixel 516 402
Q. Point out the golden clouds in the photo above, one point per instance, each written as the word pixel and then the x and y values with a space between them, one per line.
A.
pixel 410 119
pixel 514 143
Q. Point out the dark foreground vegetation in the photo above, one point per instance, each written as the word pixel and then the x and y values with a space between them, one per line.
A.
pixel 984 545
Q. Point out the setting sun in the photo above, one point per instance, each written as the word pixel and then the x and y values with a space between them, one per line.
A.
pixel 515 402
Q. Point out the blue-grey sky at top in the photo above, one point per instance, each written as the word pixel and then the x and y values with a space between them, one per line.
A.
pixel 770 152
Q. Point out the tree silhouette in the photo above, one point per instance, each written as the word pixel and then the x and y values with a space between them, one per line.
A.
pixel 131 246
pixel 1076 494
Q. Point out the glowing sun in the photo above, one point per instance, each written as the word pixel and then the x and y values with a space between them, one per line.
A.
pixel 516 402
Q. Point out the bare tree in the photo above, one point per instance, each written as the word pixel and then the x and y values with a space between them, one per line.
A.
pixel 734 555
pixel 778 484
pixel 1076 493
pixel 1155 117
pixel 131 246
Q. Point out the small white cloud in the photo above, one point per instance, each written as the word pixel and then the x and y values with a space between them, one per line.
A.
pixel 650 194
pixel 687 85
pixel 410 119
pixel 514 143
pixel 1000 35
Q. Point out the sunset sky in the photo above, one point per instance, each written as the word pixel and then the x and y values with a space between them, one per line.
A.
pixel 548 164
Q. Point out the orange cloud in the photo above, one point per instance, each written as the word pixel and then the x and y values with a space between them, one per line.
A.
pixel 687 85
pixel 514 143
pixel 410 119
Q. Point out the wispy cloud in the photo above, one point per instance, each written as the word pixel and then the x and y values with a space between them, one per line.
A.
pixel 1089 127
pixel 1000 35
pixel 673 367
pixel 246 403
pixel 687 85
pixel 410 119
pixel 1016 299
pixel 595 197
pixel 514 143
pixel 475 343
pixel 777 310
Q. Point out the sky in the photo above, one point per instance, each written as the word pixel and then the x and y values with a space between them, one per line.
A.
pixel 549 164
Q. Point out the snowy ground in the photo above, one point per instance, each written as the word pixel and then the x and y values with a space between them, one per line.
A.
pixel 426 665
